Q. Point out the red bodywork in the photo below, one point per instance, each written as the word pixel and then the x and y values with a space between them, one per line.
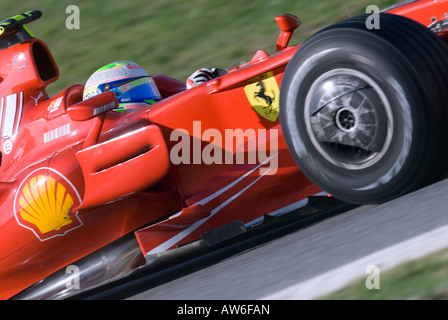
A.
pixel 75 176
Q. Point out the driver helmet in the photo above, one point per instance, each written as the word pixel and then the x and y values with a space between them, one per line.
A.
pixel 131 84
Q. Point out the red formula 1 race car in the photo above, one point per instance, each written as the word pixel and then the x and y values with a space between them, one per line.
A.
pixel 357 110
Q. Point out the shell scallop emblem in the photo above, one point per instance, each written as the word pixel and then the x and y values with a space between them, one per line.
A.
pixel 44 204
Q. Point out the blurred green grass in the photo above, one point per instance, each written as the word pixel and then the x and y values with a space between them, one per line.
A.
pixel 172 37
pixel 421 279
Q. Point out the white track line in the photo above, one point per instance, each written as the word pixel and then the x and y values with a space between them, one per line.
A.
pixel 386 258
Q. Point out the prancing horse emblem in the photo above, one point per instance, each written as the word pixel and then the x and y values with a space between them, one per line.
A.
pixel 262 94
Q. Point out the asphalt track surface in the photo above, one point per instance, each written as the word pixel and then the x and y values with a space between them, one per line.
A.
pixel 313 260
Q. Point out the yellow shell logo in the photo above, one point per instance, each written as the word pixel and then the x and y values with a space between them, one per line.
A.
pixel 44 204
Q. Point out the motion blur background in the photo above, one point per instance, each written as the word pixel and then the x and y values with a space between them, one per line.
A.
pixel 172 37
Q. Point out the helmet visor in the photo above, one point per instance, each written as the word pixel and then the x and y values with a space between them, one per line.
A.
pixel 140 89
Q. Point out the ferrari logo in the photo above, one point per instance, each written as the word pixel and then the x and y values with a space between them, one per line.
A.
pixel 44 204
pixel 264 97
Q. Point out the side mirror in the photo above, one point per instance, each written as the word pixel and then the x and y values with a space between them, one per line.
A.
pixel 287 23
pixel 90 108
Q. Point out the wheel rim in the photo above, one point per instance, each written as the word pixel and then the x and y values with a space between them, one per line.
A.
pixel 348 118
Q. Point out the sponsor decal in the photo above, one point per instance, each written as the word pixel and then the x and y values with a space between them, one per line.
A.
pixel 7 146
pixel 57 133
pixel 19 61
pixel 104 108
pixel 54 105
pixel 44 202
pixel 36 99
pixel 263 96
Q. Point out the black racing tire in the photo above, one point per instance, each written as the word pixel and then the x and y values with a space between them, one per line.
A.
pixel 363 110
